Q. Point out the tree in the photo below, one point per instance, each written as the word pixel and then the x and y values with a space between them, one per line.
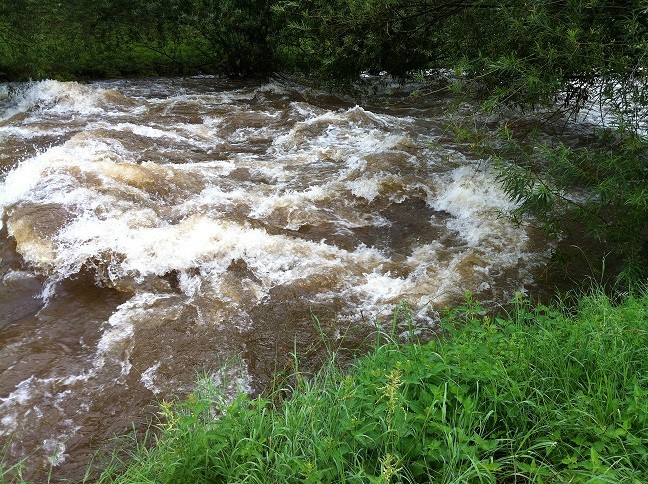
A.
pixel 564 55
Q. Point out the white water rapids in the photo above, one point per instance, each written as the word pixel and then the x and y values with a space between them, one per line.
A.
pixel 153 229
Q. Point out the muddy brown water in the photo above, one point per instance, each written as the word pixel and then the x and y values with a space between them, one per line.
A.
pixel 155 230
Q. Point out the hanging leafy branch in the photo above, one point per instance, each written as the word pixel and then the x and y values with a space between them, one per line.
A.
pixel 600 191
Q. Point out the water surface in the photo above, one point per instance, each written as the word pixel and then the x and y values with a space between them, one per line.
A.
pixel 154 230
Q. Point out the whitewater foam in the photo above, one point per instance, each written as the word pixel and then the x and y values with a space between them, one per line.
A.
pixel 61 98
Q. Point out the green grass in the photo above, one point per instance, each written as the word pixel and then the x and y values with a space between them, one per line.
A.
pixel 539 396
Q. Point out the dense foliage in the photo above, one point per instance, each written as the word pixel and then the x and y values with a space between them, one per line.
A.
pixel 520 50
pixel 540 396
pixel 530 51
pixel 598 191
pixel 109 38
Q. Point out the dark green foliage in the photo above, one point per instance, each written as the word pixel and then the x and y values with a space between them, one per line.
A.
pixel 224 36
pixel 342 38
pixel 600 190
pixel 539 396
pixel 524 52
pixel 114 37
pixel 512 51
pixel 236 33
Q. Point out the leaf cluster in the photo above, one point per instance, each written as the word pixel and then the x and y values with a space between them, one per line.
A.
pixel 601 190
pixel 531 53
pixel 513 51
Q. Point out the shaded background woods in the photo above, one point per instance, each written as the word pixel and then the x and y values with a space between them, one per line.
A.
pixel 523 50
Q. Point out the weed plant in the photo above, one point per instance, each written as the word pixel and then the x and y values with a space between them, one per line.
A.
pixel 542 395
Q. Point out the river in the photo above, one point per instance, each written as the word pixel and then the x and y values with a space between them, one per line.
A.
pixel 157 230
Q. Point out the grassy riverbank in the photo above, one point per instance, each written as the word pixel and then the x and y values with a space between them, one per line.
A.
pixel 543 395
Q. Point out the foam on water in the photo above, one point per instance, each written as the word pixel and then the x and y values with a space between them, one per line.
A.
pixel 56 451
pixel 29 132
pixel 68 98
pixel 12 405
pixel 119 221
pixel 367 188
pixel 478 205
pixel 148 378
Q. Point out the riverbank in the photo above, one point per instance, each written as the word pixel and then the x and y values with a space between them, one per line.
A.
pixel 544 394
pixel 342 228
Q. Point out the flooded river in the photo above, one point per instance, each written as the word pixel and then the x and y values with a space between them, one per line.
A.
pixel 155 230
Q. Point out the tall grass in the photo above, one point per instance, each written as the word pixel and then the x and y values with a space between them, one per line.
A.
pixel 538 396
